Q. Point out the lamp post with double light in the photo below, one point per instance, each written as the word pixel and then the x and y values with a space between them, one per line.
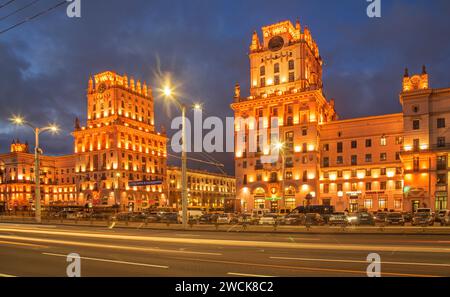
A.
pixel 17 120
pixel 168 93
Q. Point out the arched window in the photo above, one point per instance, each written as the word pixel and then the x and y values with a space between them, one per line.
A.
pixel 276 68
pixel 291 64
pixel 262 70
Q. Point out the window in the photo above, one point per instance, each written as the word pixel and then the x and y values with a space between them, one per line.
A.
pixel 276 68
pixel 291 76
pixel 383 185
pixel 291 64
pixel 339 160
pixel 244 164
pixel 368 186
pixel 326 162
pixel 354 144
pixel 289 175
pixel 369 172
pixel 399 140
pixel 441 123
pixel 415 109
pixel 304 131
pixel 326 147
pixel 262 71
pixel 262 82
pixel 339 187
pixel 245 179
pixel 277 80
pixel 398 204
pixel 416 124
pixel 381 203
pixel 398 185
pixel 326 188
pixel 368 142
pixel 339 147
pixel 441 142
pixel 368 158
pixel 397 156
pixel 383 157
pixel 441 163
pixel 354 160
pixel 383 171
pixel 368 203
pixel 383 141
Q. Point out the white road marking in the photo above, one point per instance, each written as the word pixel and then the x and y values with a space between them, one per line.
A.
pixel 111 261
pixel 107 246
pixel 239 243
pixel 22 244
pixel 248 275
pixel 360 261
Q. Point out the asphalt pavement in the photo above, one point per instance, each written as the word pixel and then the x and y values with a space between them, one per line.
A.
pixel 41 250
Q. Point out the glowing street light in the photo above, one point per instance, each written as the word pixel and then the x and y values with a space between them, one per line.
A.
pixel 54 129
pixel 167 92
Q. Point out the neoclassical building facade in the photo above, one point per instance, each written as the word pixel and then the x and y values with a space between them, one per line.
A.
pixel 119 157
pixel 394 161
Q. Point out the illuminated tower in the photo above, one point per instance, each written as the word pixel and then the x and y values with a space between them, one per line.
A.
pixel 286 86
pixel 119 146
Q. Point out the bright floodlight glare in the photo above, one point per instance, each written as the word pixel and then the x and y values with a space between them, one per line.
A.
pixel 279 145
pixel 197 106
pixel 167 91
pixel 17 120
pixel 54 128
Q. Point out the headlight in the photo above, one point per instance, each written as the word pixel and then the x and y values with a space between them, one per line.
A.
pixel 351 219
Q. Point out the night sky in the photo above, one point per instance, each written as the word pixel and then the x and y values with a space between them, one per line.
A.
pixel 45 64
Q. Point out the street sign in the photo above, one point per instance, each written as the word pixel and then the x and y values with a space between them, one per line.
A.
pixel 144 183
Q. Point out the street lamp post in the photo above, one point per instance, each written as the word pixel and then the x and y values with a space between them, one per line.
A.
pixel 167 92
pixel 37 151
pixel 280 147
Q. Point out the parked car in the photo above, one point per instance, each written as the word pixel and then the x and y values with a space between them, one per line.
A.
pixel 314 219
pixel 268 219
pixel 441 214
pixel 423 218
pixel 205 219
pixel 352 219
pixel 169 218
pixel 445 221
pixel 247 218
pixel 380 217
pixel 224 218
pixel 338 219
pixel 98 216
pixel 407 216
pixel 395 218
pixel 293 219
pixel 365 218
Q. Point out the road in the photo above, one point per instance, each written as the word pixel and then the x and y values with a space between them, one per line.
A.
pixel 41 250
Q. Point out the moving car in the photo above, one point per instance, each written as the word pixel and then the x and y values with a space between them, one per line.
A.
pixel 338 219
pixel 352 218
pixel 422 218
pixel 395 218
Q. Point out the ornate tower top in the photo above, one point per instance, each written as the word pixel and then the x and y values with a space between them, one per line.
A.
pixel 18 147
pixel 415 82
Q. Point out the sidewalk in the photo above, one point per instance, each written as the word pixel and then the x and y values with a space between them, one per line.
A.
pixel 436 230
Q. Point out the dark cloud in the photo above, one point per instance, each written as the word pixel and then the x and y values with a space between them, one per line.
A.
pixel 45 64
